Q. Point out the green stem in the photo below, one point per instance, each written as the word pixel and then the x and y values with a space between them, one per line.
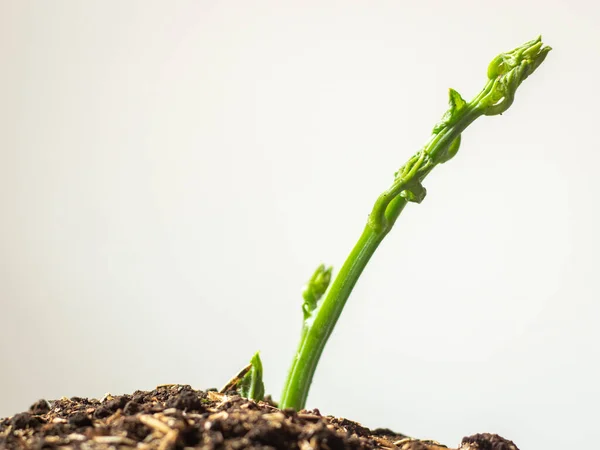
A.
pixel 318 328
pixel 316 334
pixel 505 73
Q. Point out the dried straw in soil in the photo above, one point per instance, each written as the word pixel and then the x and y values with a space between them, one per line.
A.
pixel 178 417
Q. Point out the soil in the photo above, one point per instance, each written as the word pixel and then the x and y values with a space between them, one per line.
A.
pixel 177 417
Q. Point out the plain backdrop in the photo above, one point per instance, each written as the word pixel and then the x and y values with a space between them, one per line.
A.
pixel 171 173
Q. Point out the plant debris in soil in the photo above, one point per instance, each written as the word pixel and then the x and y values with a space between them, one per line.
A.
pixel 177 417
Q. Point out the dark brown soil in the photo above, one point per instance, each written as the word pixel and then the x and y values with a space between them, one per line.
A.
pixel 176 417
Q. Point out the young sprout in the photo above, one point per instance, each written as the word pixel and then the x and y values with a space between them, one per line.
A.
pixel 251 385
pixel 505 73
pixel 248 382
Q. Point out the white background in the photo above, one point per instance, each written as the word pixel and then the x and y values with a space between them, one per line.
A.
pixel 171 174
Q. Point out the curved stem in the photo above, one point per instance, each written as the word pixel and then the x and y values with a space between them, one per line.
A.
pixel 507 71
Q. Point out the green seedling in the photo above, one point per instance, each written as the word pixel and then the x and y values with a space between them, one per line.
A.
pixel 251 386
pixel 505 74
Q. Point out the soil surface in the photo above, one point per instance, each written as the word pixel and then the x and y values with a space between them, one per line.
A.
pixel 177 417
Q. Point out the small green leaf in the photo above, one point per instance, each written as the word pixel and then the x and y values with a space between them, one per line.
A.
pixel 456 104
pixel 415 193
pixel 315 288
pixel 252 386
pixel 456 101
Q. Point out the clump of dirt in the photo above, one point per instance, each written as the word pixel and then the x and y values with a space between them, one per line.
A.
pixel 177 417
